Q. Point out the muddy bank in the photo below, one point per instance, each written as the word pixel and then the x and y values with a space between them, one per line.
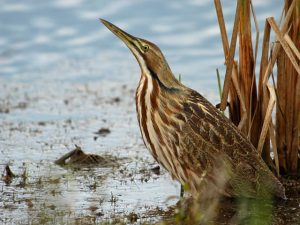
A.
pixel 50 125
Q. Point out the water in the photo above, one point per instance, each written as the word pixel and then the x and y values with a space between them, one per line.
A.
pixel 45 39
pixel 60 72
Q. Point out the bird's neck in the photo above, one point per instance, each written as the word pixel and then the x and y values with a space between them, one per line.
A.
pixel 153 87
pixel 155 103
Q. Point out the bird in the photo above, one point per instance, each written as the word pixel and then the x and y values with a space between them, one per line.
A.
pixel 198 145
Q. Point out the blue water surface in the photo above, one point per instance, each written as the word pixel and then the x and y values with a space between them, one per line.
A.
pixel 63 39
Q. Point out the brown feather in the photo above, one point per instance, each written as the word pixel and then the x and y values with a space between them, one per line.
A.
pixel 197 144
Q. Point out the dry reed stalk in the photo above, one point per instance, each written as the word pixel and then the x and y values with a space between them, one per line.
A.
pixel 278 55
pixel 237 109
pixel 263 100
pixel 246 62
pixel 292 45
pixel 280 111
pixel 277 46
pixel 252 112
pixel 264 79
pixel 288 82
pixel 230 58
pixel 292 131
pixel 267 119
pixel 241 103
pixel 284 44
pixel 251 135
pixel 222 26
pixel 264 59
pixel 263 67
pixel 272 133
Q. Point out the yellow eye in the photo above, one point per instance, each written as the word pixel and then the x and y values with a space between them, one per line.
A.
pixel 145 48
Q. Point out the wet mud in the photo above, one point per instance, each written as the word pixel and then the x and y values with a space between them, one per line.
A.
pixel 54 170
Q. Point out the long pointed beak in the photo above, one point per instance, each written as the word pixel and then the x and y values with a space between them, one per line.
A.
pixel 128 39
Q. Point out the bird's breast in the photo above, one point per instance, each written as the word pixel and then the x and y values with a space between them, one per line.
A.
pixel 160 123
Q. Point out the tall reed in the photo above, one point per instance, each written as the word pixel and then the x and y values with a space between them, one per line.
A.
pixel 251 104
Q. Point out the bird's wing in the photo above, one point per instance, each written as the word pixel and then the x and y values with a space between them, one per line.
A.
pixel 211 142
pixel 213 129
pixel 211 147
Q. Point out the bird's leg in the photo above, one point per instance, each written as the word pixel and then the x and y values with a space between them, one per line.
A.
pixel 181 191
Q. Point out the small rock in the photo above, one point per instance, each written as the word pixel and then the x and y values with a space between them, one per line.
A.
pixel 41 123
pixel 103 132
pixel 116 99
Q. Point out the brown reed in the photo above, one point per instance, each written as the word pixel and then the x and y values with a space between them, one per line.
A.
pixel 252 105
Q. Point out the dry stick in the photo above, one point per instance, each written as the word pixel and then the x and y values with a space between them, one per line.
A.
pixel 284 44
pixel 267 120
pixel 234 76
pixel 292 45
pixel 277 46
pixel 230 60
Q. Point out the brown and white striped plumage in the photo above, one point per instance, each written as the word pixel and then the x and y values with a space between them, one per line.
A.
pixel 188 135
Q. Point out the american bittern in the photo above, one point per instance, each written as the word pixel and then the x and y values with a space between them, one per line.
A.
pixel 187 135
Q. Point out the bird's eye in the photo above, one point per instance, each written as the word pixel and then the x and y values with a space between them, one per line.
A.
pixel 145 48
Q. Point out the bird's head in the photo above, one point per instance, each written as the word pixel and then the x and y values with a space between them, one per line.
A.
pixel 148 55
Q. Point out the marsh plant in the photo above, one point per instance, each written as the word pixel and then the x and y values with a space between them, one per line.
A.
pixel 264 105
pixel 277 92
